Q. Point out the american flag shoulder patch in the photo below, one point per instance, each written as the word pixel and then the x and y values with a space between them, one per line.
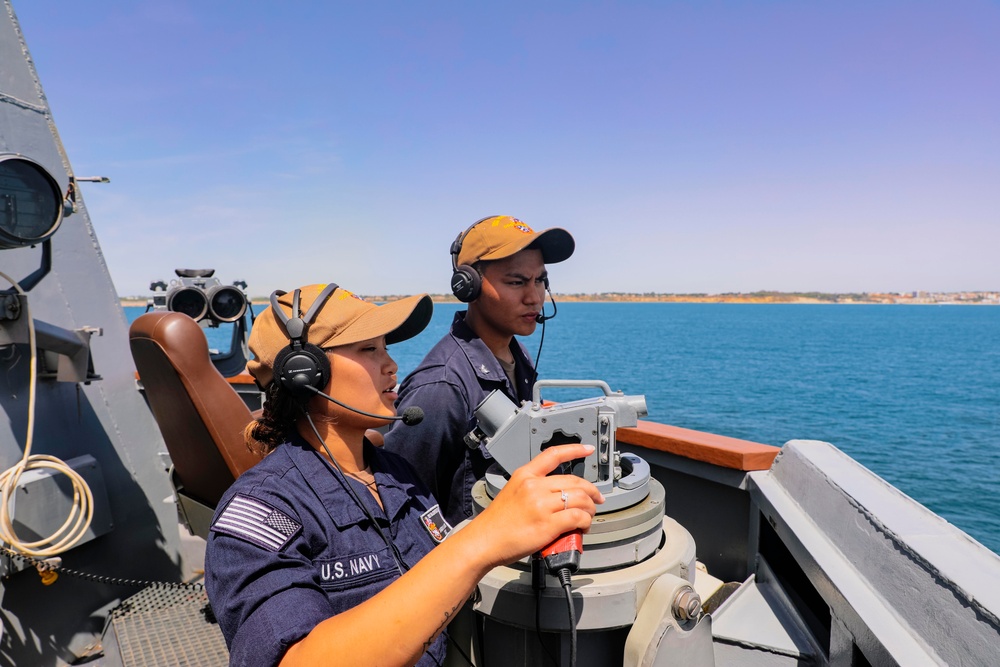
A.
pixel 257 522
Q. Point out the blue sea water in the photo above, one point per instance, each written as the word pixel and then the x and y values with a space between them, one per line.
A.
pixel 911 392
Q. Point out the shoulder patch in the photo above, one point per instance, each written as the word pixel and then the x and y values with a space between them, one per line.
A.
pixel 257 522
pixel 436 524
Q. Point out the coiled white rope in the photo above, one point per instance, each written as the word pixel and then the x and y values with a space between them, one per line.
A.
pixel 82 512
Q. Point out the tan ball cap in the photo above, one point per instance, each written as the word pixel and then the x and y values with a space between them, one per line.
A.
pixel 502 236
pixel 345 318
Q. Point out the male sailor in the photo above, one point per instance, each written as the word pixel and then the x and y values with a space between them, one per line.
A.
pixel 499 269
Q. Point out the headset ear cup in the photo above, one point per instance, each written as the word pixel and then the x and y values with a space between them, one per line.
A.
pixel 297 370
pixel 466 283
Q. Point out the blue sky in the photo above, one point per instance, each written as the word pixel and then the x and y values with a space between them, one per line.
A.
pixel 689 147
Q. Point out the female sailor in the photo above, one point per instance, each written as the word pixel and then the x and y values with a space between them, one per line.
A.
pixel 330 551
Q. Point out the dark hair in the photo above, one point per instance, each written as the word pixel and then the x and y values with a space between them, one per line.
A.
pixel 276 423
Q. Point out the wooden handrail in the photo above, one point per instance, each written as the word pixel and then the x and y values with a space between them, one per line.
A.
pixel 719 450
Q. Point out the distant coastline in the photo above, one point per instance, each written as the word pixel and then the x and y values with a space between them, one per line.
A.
pixel 991 298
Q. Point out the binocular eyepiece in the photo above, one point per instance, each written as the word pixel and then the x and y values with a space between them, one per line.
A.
pixel 199 295
pixel 223 303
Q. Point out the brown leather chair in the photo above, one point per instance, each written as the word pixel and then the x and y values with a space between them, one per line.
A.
pixel 199 414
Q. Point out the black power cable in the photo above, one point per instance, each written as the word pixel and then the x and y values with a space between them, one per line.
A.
pixel 538 626
pixel 565 576
pixel 43 566
pixel 566 580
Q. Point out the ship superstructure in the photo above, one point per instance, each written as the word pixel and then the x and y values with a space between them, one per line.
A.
pixel 712 551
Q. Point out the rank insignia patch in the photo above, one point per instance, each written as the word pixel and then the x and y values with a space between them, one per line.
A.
pixel 436 524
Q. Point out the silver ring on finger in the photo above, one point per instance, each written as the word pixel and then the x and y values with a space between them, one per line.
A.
pixel 565 498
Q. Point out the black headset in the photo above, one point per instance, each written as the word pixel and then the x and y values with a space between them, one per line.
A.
pixel 301 367
pixel 466 281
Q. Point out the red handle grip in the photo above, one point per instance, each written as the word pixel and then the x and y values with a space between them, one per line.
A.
pixel 564 552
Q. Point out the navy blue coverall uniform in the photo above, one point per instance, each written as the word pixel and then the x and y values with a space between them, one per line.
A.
pixel 289 548
pixel 451 381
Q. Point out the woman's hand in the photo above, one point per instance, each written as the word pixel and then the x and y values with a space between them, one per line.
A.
pixel 529 512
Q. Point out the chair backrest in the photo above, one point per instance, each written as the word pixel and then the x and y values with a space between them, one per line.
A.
pixel 199 414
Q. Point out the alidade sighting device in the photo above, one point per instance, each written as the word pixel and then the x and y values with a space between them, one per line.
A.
pixel 514 435
pixel 632 548
pixel 631 515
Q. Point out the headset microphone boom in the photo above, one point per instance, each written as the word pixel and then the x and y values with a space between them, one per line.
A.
pixel 411 416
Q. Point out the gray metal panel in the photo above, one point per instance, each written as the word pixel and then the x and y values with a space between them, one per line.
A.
pixel 759 618
pixel 43 501
pixel 745 656
pixel 911 588
pixel 107 419
pixel 18 84
pixel 711 503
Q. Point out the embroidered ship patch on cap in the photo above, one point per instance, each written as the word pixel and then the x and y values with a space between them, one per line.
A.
pixel 436 524
pixel 257 522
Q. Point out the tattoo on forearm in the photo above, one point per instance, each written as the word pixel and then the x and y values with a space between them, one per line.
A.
pixel 448 617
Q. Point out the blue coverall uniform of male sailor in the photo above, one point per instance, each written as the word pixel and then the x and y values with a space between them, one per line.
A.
pixel 498 268
pixel 451 381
